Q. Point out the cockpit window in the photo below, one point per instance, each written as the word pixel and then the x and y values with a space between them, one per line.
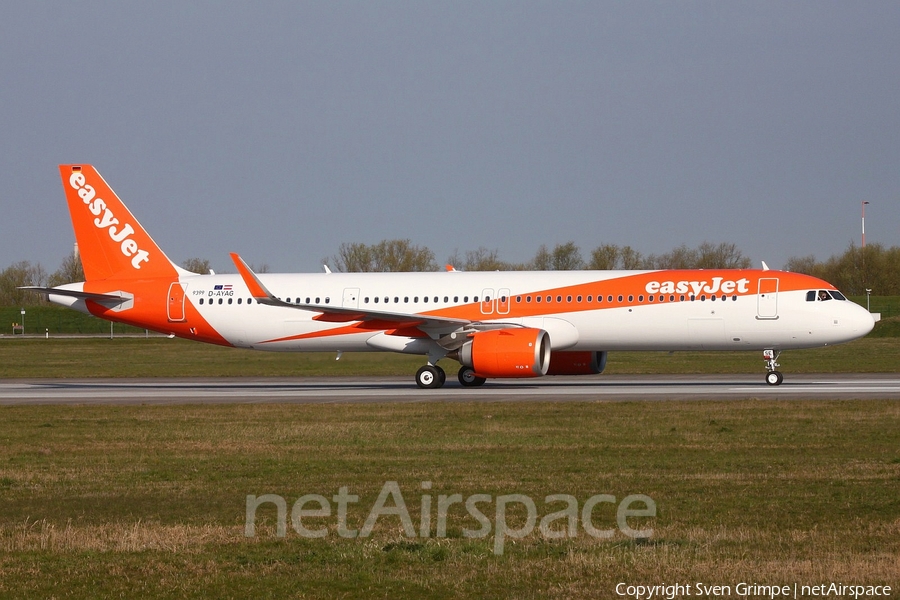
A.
pixel 823 295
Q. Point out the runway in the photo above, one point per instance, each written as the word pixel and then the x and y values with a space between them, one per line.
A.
pixel 325 390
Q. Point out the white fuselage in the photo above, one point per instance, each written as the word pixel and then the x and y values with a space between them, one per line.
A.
pixel 779 320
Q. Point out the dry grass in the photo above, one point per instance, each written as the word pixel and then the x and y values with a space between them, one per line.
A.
pixel 149 501
pixel 47 536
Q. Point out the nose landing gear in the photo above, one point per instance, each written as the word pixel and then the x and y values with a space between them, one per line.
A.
pixel 773 376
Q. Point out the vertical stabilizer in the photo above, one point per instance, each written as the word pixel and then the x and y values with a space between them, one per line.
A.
pixel 110 241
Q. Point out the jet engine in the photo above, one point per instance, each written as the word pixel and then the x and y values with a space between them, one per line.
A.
pixel 507 353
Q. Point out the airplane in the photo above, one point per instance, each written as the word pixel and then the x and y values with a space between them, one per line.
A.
pixel 514 324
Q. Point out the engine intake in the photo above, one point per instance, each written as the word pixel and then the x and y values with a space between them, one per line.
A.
pixel 507 353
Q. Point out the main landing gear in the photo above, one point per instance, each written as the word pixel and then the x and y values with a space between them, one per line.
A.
pixel 468 378
pixel 773 377
pixel 432 377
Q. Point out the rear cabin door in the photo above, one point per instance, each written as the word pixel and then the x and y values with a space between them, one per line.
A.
pixel 175 307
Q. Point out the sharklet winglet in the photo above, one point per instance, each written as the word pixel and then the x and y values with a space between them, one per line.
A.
pixel 256 287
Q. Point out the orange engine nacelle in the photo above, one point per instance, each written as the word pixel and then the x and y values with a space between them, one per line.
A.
pixel 577 363
pixel 507 353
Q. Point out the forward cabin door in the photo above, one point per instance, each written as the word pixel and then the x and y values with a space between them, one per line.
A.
pixel 767 300
pixel 175 307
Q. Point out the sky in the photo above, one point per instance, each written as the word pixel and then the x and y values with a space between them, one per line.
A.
pixel 280 130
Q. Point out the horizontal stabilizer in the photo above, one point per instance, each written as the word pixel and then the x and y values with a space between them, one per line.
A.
pixel 106 299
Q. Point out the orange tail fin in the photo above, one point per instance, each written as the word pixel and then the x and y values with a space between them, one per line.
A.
pixel 110 240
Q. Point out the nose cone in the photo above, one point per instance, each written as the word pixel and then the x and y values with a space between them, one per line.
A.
pixel 860 321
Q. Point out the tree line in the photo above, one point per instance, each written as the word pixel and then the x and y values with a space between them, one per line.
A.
pixel 403 255
pixel 874 267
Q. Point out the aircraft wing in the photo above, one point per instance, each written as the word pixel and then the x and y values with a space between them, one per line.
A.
pixel 335 314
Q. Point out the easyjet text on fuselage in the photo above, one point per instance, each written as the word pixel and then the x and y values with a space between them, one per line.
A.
pixel 716 286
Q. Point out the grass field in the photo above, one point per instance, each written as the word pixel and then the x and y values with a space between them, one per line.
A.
pixel 151 500
pixel 162 357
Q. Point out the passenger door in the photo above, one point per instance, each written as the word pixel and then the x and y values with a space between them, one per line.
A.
pixel 175 307
pixel 767 300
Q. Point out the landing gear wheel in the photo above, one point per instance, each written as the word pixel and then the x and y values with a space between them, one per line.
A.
pixel 430 376
pixel 468 378
pixel 774 378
